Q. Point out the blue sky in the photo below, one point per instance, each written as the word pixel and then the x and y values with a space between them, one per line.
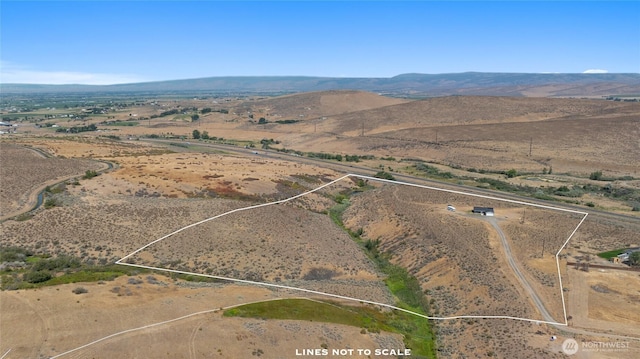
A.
pixel 97 42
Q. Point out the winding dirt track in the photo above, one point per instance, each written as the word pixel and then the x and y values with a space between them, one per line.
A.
pixel 33 202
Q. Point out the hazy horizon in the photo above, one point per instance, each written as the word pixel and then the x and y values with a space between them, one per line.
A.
pixel 104 43
pixel 310 77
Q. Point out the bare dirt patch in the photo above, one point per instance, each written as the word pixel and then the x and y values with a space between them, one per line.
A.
pixel 605 300
pixel 189 175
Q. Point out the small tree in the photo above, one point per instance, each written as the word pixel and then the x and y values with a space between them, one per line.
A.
pixel 262 121
pixel 196 134
pixel 634 259
pixel 511 173
pixel 384 175
pixel 195 117
pixel 596 176
pixel 37 277
pixel 89 174
pixel 205 135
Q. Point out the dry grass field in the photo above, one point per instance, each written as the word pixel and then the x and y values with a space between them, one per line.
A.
pixel 305 249
pixel 52 320
pixel 315 105
pixel 459 261
pixel 457 257
pixel 572 136
pixel 23 172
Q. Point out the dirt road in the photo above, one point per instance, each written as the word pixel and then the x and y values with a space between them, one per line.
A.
pixel 518 273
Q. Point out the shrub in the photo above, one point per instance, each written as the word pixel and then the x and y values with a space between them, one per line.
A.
pixel 134 281
pixel 59 263
pixel 14 254
pixel 80 290
pixel 385 175
pixel 319 273
pixel 37 276
pixel 50 203
pixel 90 174
pixel 596 176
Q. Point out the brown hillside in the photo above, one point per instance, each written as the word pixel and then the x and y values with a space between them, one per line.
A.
pixel 571 135
pixel 475 109
pixel 316 104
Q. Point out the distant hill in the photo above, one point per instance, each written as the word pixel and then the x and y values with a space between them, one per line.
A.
pixel 406 85
pixel 466 110
pixel 302 106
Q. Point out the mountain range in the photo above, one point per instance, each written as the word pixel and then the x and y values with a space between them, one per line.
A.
pixel 405 85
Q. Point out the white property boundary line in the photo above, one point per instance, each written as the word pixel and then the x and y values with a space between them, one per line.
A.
pixel 120 261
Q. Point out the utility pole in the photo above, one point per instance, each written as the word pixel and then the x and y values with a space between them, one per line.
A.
pixel 436 137
pixel 362 134
pixel 543 240
pixel 530 146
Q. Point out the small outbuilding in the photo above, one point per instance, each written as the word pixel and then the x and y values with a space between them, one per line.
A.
pixel 485 211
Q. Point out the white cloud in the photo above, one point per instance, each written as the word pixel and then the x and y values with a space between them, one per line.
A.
pixel 595 71
pixel 10 73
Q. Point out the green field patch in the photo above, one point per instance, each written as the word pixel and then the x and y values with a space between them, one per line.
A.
pixel 416 331
pixel 611 254
pixel 315 311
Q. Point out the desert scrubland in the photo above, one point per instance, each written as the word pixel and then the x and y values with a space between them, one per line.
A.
pixel 145 190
